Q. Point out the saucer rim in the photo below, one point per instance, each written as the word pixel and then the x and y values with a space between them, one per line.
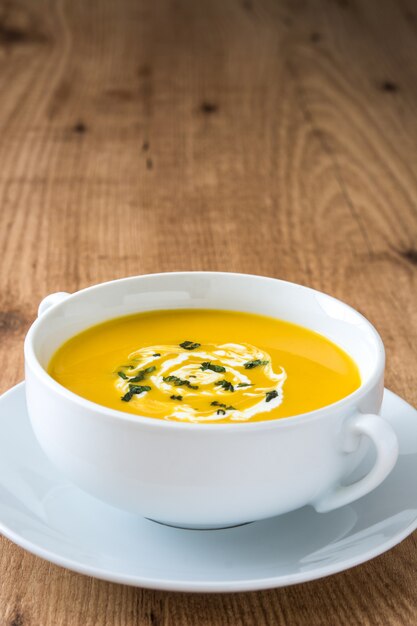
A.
pixel 192 586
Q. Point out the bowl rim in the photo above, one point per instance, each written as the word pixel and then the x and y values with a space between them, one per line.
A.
pixel 353 398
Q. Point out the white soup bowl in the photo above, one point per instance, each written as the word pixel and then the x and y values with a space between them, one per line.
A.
pixel 210 475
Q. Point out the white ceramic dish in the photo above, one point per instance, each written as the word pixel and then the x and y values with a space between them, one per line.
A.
pixel 44 513
pixel 210 475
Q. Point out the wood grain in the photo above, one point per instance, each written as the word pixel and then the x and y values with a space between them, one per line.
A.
pixel 261 136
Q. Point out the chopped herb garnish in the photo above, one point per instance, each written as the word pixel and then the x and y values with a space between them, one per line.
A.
pixel 172 379
pixel 189 345
pixel 179 382
pixel 157 354
pixel 245 385
pixel 224 406
pixel 192 376
pixel 139 388
pixel 214 368
pixel 270 395
pixel 122 375
pixel 249 365
pixel 141 375
pixel 133 390
pixel 176 397
pixel 221 412
pixel 225 384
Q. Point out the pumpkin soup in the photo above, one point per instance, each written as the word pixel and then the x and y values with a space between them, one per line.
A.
pixel 207 366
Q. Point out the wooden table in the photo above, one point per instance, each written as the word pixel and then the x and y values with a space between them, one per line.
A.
pixel 275 138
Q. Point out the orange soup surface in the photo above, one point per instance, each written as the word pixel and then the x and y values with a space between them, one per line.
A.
pixel 205 366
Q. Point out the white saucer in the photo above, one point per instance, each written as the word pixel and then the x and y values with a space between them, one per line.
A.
pixel 45 514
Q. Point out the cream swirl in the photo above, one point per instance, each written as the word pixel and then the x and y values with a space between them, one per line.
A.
pixel 227 382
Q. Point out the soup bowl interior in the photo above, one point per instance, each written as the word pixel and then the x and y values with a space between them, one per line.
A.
pixel 210 290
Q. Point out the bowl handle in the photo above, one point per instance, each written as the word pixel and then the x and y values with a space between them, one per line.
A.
pixel 51 300
pixel 385 441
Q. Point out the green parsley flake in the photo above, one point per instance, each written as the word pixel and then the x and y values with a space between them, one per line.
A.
pixel 179 382
pixel 270 395
pixel 224 406
pixel 214 368
pixel 225 384
pixel 141 375
pixel 133 390
pixel 249 365
pixel 189 345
